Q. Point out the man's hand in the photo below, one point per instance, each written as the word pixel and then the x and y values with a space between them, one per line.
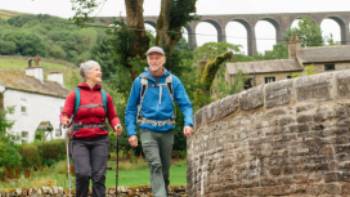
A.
pixel 188 131
pixel 133 141
pixel 118 129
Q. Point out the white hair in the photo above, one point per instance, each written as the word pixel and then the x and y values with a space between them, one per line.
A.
pixel 87 66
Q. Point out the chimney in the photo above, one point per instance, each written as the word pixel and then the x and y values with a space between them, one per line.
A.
pixel 293 47
pixel 36 72
pixel 56 77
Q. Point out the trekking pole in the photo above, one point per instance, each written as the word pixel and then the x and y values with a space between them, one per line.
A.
pixel 116 165
pixel 68 164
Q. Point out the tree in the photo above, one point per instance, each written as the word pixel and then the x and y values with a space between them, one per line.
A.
pixel 174 14
pixel 7 47
pixel 308 32
pixel 135 21
pixel 4 122
pixel 279 51
pixel 207 61
pixel 206 77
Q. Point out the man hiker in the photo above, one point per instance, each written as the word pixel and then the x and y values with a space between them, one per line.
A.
pixel 151 105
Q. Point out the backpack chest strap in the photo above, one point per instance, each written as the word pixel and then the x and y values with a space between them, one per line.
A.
pixel 156 123
pixel 91 106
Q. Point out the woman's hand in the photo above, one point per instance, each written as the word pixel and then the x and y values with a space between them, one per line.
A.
pixel 118 129
pixel 64 121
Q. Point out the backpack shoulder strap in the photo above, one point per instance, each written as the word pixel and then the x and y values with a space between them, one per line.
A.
pixel 77 100
pixel 104 99
pixel 144 85
pixel 169 83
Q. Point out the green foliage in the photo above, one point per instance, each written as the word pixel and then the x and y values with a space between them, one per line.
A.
pixel 4 123
pixel 181 60
pixel 308 32
pixel 49 36
pixel 211 68
pixel 222 87
pixel 308 70
pixel 123 145
pixel 9 155
pixel 181 13
pixel 30 156
pixel 7 47
pixel 26 43
pixel 211 50
pixel 82 9
pixel 279 51
pixel 52 151
pixel 39 135
pixel 206 63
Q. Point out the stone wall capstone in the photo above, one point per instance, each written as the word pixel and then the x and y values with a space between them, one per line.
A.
pixel 288 138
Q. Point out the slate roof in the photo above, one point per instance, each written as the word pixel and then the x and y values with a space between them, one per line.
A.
pixel 266 66
pixel 17 80
pixel 338 53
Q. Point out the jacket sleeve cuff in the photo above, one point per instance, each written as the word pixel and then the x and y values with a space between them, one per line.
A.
pixel 115 122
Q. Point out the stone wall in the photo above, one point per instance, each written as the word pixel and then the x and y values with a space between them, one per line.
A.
pixel 289 138
pixel 140 191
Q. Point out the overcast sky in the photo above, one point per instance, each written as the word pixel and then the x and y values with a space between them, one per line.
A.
pixel 206 32
pixel 151 7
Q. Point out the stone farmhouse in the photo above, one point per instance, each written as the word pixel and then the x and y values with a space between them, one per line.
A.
pixel 322 59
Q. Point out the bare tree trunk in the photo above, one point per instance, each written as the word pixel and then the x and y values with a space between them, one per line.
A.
pixel 174 14
pixel 135 21
pixel 163 23
pixel 167 35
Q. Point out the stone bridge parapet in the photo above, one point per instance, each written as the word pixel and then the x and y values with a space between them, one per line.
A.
pixel 288 138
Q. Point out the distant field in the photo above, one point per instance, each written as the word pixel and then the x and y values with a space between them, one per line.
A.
pixel 5 14
pixel 18 63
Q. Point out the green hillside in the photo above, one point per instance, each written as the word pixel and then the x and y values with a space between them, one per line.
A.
pixel 19 63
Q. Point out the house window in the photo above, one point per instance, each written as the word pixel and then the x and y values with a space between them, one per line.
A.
pixel 24 134
pixel 248 83
pixel 329 67
pixel 24 137
pixel 23 109
pixel 270 79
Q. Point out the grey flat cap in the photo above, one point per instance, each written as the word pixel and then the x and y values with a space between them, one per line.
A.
pixel 155 49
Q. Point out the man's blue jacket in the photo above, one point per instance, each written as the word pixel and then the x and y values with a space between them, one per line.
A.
pixel 157 103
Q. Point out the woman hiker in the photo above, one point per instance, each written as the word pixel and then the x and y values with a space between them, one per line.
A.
pixel 89 106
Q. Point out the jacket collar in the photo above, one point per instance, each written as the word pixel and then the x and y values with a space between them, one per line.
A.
pixel 85 86
pixel 149 75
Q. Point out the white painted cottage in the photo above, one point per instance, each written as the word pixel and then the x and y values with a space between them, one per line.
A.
pixel 36 102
